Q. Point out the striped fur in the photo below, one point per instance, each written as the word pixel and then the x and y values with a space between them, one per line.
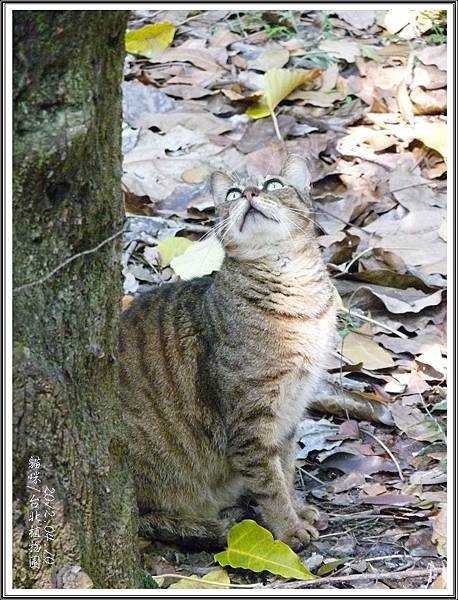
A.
pixel 217 371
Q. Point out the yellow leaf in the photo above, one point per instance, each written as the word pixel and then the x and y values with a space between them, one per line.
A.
pixel 278 84
pixel 433 135
pixel 252 547
pixel 171 247
pixel 362 349
pixel 150 40
pixel 215 576
pixel 201 258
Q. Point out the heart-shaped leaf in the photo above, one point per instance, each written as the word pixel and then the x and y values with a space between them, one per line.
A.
pixel 150 40
pixel 278 84
pixel 250 546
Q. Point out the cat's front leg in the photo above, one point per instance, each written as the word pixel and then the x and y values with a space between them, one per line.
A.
pixel 265 480
pixel 305 511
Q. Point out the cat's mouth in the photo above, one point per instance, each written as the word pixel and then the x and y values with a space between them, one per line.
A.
pixel 253 212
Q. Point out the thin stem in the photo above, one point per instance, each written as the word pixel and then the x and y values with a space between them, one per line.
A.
pixel 387 450
pixel 276 127
pixel 374 321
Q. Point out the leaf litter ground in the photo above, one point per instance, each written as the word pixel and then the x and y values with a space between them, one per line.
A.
pixel 371 122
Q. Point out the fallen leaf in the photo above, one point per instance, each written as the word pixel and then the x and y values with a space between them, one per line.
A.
pixel 150 40
pixel 367 465
pixel 433 135
pixel 361 19
pixel 347 482
pixel 313 435
pixel 278 84
pixel 362 349
pixel 215 576
pixel 274 57
pixel 416 424
pixel 250 546
pixel 171 247
pixel 434 55
pixel 389 499
pixel 332 565
pixel 440 583
pixel 343 48
pixel 200 258
pixel 439 536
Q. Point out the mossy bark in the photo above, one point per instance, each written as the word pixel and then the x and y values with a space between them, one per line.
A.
pixel 66 199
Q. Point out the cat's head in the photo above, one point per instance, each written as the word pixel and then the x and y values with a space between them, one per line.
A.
pixel 264 211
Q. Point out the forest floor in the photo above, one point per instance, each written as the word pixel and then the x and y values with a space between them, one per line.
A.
pixel 371 122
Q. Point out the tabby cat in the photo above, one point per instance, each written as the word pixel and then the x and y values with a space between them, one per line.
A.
pixel 217 371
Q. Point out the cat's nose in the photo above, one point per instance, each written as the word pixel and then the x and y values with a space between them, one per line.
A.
pixel 249 192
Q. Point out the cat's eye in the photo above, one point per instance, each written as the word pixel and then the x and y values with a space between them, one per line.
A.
pixel 273 184
pixel 233 194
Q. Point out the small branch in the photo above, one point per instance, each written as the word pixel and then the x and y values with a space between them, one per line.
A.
pixel 374 321
pixel 388 451
pixel 390 576
pixel 65 263
pixel 276 127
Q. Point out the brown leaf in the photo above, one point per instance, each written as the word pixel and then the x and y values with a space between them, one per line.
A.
pixel 434 55
pixel 439 536
pixel 416 424
pixel 390 499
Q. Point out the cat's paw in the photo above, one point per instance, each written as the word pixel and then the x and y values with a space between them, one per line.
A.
pixel 308 512
pixel 298 536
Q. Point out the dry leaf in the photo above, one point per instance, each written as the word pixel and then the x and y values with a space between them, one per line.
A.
pixel 361 19
pixel 433 135
pixel 274 57
pixel 343 48
pixel 362 349
pixel 439 536
pixel 415 424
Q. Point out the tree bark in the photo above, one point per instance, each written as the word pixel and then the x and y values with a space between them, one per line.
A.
pixel 67 199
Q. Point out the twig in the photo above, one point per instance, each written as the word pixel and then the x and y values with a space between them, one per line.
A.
pixel 276 127
pixel 396 576
pixel 217 584
pixel 65 263
pixel 374 321
pixel 311 476
pixel 201 14
pixel 387 450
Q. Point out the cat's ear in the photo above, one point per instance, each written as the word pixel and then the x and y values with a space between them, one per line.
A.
pixel 219 185
pixel 296 172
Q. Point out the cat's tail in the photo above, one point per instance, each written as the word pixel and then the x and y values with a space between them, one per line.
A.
pixel 184 530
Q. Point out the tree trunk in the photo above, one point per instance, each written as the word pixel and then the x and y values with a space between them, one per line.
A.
pixel 67 199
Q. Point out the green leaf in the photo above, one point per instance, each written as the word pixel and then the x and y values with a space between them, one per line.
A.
pixel 252 547
pixel 149 582
pixel 216 576
pixel 278 84
pixel 150 40
pixel 171 247
pixel 200 258
pixel 440 405
pixel 331 566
